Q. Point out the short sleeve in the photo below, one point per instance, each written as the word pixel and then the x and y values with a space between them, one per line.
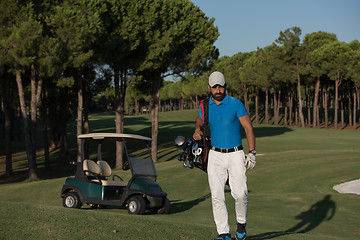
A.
pixel 241 110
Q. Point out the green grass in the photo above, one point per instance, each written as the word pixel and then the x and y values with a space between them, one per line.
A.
pixel 290 190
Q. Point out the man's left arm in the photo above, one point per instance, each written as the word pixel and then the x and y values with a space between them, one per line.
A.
pixel 250 160
pixel 250 136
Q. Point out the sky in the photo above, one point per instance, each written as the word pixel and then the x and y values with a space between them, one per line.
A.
pixel 245 25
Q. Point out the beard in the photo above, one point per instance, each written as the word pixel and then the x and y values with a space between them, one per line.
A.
pixel 219 96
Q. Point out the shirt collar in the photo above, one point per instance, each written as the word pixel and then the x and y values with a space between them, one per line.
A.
pixel 224 101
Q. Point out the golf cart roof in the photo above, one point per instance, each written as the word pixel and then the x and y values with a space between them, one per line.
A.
pixel 112 136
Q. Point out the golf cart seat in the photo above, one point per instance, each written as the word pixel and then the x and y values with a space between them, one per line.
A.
pixel 91 169
pixel 105 171
pixel 97 173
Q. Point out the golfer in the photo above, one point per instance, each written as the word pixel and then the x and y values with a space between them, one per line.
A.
pixel 227 160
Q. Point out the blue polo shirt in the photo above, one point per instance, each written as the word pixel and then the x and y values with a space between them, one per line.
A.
pixel 224 122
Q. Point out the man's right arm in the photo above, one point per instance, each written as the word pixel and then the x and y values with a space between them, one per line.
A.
pixel 198 124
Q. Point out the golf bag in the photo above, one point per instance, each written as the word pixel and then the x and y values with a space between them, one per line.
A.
pixel 196 152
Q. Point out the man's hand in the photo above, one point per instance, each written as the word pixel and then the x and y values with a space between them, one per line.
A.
pixel 250 161
pixel 197 134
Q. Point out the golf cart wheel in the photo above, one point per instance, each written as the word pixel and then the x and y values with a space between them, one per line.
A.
pixel 71 200
pixel 136 205
pixel 165 209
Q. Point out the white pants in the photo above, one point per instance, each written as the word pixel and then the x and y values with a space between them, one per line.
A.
pixel 222 166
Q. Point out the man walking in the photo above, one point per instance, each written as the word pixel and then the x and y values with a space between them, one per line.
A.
pixel 227 160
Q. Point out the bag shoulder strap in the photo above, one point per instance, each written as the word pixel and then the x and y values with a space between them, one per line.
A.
pixel 204 105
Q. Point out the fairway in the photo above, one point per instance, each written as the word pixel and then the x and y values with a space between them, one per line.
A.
pixel 290 190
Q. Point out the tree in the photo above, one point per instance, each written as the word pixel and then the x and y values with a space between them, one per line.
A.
pixel 249 75
pixel 178 37
pixel 312 42
pixel 119 47
pixel 75 25
pixel 294 56
pixel 334 59
pixel 8 95
pixel 20 44
pixel 175 94
pixel 354 71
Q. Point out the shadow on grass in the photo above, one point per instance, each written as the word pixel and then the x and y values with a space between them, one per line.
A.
pixel 178 207
pixel 319 212
pixel 53 173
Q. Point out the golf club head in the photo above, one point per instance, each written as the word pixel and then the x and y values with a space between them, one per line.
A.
pixel 188 143
pixel 186 163
pixel 179 141
pixel 195 147
pixel 191 164
pixel 181 157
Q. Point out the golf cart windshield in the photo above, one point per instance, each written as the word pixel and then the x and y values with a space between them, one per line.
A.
pixel 142 167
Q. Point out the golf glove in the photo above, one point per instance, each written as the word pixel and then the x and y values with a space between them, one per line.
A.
pixel 250 161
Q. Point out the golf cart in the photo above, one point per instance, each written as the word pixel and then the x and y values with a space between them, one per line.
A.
pixel 91 185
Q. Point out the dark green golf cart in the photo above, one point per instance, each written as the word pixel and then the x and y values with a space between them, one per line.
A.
pixel 91 185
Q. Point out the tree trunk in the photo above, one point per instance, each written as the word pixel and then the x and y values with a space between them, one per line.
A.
pixel 342 114
pixel 349 109
pixel 326 94
pixel 171 104
pixel 63 141
pixel 33 110
pixel 246 101
pixel 290 108
pixel 337 83
pixel 318 117
pixel 358 97
pixel 7 143
pixel 79 123
pixel 267 105
pixel 287 108
pixel 29 149
pixel 309 107
pixel 276 119
pixel 354 113
pixel 358 100
pixel 86 109
pixel 257 104
pixel 43 115
pixel 181 104
pixel 136 107
pixel 278 105
pixel 155 96
pixel 196 101
pixel 286 111
pixel 193 102
pixel 8 111
pixel 315 106
pixel 35 97
pixel 301 116
pixel 118 119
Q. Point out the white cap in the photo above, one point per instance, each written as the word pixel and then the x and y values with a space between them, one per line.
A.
pixel 216 78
